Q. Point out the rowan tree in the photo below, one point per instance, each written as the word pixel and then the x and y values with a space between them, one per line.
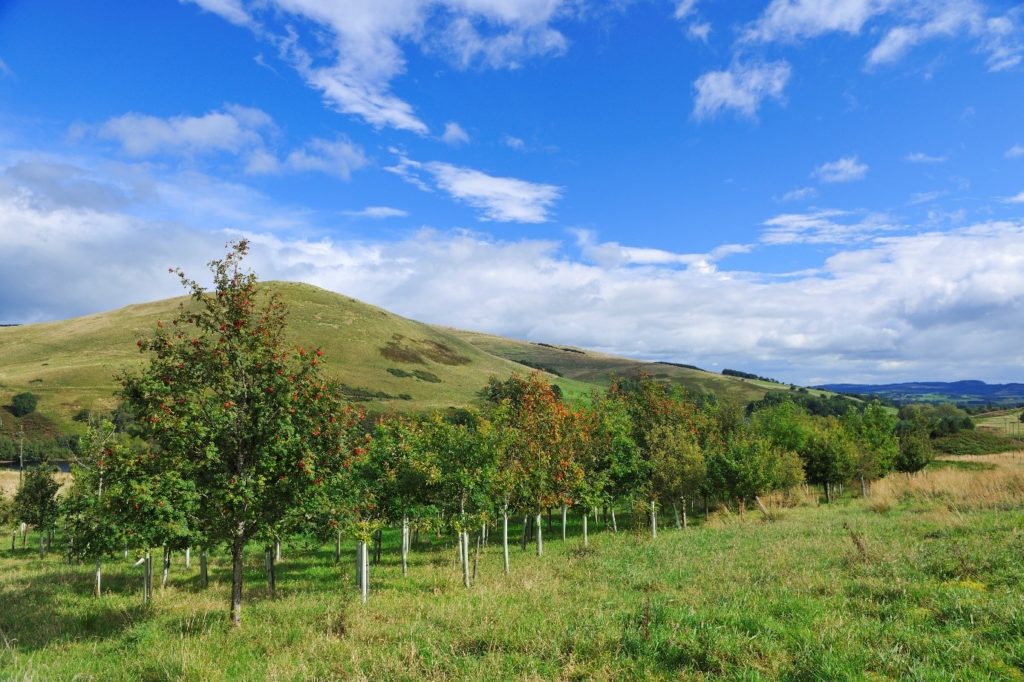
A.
pixel 35 503
pixel 234 410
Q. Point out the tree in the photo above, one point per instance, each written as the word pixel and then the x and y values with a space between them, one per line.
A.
pixel 23 404
pixel 677 464
pixel 748 465
pixel 35 503
pixel 234 411
pixel 877 444
pixel 915 450
pixel 829 455
pixel 614 451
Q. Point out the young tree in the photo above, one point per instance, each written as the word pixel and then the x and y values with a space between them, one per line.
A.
pixel 677 464
pixel 614 452
pixel 748 465
pixel 829 456
pixel 235 411
pixel 877 443
pixel 35 503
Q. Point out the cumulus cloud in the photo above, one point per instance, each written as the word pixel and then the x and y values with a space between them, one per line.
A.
pixel 1015 199
pixel 454 134
pixel 500 199
pixel 845 169
pixel 366 42
pixel 742 87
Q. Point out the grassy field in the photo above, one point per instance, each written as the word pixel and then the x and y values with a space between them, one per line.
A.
pixel 920 581
pixel 1006 422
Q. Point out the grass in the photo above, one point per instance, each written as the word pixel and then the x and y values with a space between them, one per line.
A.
pixel 920 581
pixel 976 442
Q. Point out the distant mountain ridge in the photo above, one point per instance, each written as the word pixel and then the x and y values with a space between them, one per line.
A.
pixel 967 392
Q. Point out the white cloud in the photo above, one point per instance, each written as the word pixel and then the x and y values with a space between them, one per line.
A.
pixel 1016 199
pixel 845 169
pixel 378 212
pixel 5 71
pixel 230 129
pixel 824 227
pixel 924 197
pixel 699 31
pixel 513 142
pixel 925 305
pixel 788 20
pixel 1015 152
pixel 921 157
pixel 232 10
pixel 454 134
pixel 352 51
pixel 500 199
pixel 904 24
pixel 243 131
pixel 337 157
pixel 684 8
pixel 742 87
pixel 800 193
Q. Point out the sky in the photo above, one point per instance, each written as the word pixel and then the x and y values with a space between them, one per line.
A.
pixel 812 190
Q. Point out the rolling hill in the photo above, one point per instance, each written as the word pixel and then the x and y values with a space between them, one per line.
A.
pixel 388 362
pixel 958 392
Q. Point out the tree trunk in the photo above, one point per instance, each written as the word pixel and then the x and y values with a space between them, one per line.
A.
pixel 237 550
pixel 863 487
pixel 654 519
pixel 549 519
pixel 204 576
pixel 42 545
pixel 675 513
pixel 565 518
pixel 337 546
pixel 707 510
pixel 585 536
pixel 526 531
pixel 14 540
pixel 504 538
pixel 405 545
pixel 98 585
pixel 615 526
pixel 377 539
pixel 269 557
pixel 540 538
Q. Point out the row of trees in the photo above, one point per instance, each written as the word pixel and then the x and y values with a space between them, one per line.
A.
pixel 237 438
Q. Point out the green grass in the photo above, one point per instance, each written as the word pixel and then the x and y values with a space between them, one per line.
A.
pixel 976 442
pixel 923 593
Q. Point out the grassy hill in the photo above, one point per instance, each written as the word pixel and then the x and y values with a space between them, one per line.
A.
pixel 598 368
pixel 388 362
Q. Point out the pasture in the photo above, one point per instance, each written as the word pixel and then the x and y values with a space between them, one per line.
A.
pixel 920 581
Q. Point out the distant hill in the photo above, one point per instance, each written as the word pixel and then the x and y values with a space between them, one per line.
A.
pixel 959 392
pixel 387 362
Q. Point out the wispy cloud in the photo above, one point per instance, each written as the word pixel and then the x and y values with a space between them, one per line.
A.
pixel 513 142
pixel 377 212
pixel 1015 152
pixel 230 129
pixel 5 71
pixel 800 194
pixel 742 87
pixel 1015 199
pixel 921 157
pixel 828 226
pixel 845 169
pixel 501 199
pixel 365 43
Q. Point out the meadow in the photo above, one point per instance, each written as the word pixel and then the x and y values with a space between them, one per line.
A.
pixel 919 581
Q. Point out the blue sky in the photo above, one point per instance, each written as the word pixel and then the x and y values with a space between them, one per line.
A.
pixel 818 190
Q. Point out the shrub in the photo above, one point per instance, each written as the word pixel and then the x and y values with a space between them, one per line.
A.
pixel 23 404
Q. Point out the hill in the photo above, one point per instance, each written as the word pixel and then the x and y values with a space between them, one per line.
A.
pixel 385 361
pixel 959 392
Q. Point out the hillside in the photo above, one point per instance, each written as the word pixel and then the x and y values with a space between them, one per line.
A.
pixel 958 392
pixel 385 361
